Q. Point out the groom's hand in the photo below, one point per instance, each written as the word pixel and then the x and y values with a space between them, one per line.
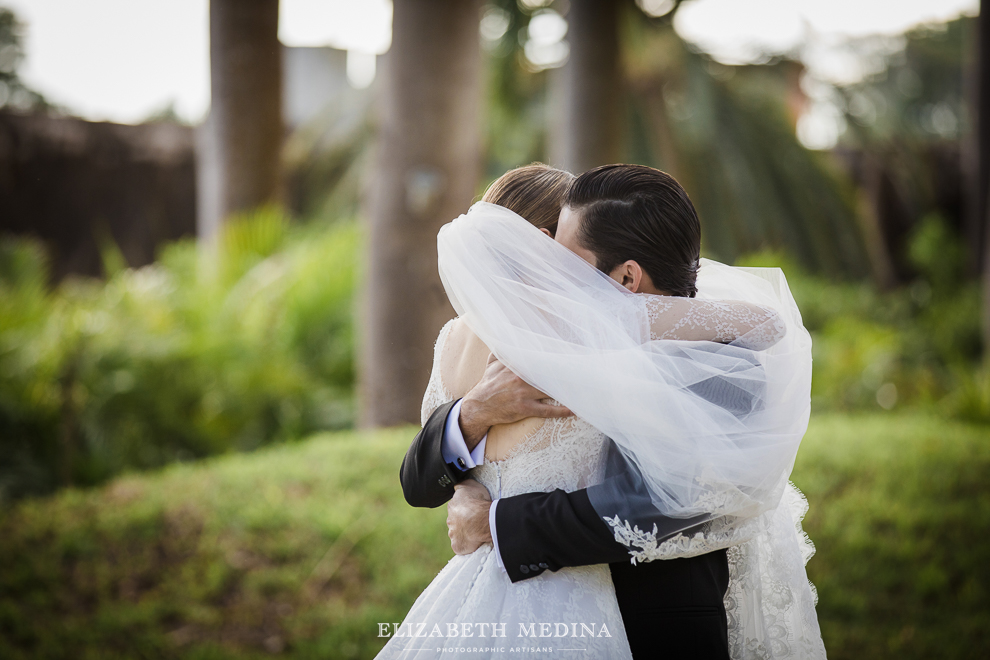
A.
pixel 501 397
pixel 467 517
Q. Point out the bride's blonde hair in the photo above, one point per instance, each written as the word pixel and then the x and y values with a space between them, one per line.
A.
pixel 536 192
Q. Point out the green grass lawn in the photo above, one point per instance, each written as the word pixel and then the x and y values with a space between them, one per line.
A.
pixel 900 514
pixel 301 549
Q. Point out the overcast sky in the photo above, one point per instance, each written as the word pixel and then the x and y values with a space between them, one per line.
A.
pixel 122 60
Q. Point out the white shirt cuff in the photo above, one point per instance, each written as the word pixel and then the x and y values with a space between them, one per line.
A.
pixel 491 527
pixel 454 448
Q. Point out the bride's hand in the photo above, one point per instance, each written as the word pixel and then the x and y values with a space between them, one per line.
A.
pixel 501 397
pixel 467 517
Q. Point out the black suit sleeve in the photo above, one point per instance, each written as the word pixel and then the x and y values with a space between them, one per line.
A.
pixel 550 531
pixel 540 531
pixel 427 479
pixel 536 531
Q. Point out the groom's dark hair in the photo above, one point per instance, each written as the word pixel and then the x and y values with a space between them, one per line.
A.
pixel 639 213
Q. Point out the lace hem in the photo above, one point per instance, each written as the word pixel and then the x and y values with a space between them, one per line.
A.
pixel 645 546
pixel 770 603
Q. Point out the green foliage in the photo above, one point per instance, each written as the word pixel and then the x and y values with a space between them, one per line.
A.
pixel 250 342
pixel 918 93
pixel 516 126
pixel 917 345
pixel 900 516
pixel 727 134
pixel 302 549
pixel 209 350
pixel 13 92
pixel 325 159
pixel 906 127
pixel 299 550
pixel 938 255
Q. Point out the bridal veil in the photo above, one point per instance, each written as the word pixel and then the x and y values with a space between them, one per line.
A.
pixel 705 434
pixel 572 332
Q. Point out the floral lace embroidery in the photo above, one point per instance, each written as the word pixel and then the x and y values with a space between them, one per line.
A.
pixel 710 536
pixel 743 324
pixel 649 548
pixel 770 604
pixel 772 574
pixel 565 453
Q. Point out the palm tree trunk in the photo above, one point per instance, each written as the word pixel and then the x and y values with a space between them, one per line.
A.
pixel 244 129
pixel 590 133
pixel 976 150
pixel 986 288
pixel 983 132
pixel 427 170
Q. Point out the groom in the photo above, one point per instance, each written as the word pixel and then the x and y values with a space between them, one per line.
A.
pixel 637 225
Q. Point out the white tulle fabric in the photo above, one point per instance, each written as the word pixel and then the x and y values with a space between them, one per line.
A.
pixel 523 295
pixel 574 333
pixel 770 604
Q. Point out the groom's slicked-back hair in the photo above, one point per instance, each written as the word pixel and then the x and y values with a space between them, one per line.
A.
pixel 639 213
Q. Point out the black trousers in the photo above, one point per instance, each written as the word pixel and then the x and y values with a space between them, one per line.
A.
pixel 674 608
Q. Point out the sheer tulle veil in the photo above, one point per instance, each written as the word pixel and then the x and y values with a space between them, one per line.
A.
pixel 574 333
pixel 706 433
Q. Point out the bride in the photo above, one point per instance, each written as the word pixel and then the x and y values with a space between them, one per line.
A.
pixel 472 606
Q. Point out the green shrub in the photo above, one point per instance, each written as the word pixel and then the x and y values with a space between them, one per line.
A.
pixel 918 345
pixel 900 516
pixel 302 549
pixel 208 350
pixel 299 550
pixel 250 341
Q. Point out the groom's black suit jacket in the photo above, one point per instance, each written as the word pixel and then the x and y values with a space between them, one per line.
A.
pixel 671 608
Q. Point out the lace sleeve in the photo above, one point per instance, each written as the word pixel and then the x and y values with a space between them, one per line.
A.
pixel 689 319
pixel 436 393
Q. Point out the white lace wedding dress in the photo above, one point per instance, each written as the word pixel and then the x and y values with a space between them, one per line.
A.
pixel 564 453
pixel 570 454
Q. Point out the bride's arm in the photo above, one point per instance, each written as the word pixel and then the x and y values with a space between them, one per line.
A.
pixel 725 321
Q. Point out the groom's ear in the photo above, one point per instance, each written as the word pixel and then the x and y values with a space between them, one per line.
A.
pixel 629 275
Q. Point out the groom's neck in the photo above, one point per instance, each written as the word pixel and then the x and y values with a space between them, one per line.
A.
pixel 647 287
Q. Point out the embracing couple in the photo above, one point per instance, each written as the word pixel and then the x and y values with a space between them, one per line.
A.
pixel 612 421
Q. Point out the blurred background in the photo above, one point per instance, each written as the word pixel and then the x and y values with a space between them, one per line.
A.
pixel 218 290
